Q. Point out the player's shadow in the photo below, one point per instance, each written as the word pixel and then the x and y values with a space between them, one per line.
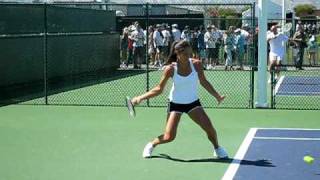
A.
pixel 260 162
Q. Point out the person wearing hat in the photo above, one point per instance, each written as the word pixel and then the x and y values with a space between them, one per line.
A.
pixel 312 50
pixel 166 41
pixel 176 33
pixel 229 47
pixel 239 41
pixel 210 40
pixel 158 44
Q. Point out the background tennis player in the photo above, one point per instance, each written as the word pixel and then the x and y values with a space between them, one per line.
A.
pixel 277 44
pixel 185 73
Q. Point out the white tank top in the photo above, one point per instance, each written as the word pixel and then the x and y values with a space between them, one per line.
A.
pixel 184 88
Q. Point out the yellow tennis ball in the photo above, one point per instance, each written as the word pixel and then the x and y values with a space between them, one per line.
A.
pixel 308 159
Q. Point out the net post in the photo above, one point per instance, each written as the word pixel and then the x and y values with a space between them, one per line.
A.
pixel 262 55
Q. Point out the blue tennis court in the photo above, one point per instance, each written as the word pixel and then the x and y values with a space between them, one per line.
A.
pixel 298 86
pixel 276 154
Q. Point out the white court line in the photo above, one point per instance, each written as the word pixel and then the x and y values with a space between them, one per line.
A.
pixel 233 167
pixel 278 85
pixel 287 138
pixel 293 129
pixel 292 93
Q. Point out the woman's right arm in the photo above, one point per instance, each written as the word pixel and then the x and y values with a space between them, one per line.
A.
pixel 157 90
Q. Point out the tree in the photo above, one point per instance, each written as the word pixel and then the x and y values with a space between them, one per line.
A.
pixel 224 17
pixel 304 9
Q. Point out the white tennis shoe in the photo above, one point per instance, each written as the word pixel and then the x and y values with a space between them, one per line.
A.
pixel 147 151
pixel 220 153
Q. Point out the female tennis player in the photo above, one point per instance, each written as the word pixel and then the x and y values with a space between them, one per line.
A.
pixel 185 73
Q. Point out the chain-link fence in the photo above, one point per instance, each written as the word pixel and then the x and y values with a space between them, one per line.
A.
pixel 97 53
pixel 296 85
pixel 296 89
pixel 71 55
pixel 311 41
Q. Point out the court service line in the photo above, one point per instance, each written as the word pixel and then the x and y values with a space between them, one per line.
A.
pixel 292 129
pixel 300 93
pixel 287 138
pixel 233 167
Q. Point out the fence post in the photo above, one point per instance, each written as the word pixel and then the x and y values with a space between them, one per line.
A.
pixel 252 55
pixel 45 54
pixel 272 89
pixel 146 49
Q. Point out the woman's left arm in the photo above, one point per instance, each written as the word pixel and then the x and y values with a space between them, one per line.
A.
pixel 205 83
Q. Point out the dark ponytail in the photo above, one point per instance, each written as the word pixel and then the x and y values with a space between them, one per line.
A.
pixel 173 55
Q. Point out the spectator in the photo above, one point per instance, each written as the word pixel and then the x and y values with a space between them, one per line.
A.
pixel 309 28
pixel 298 24
pixel 158 44
pixel 217 35
pixel 130 46
pixel 166 40
pixel 233 52
pixel 314 29
pixel 300 40
pixel 194 42
pixel 138 42
pixel 151 48
pixel 228 48
pixel 186 34
pixel 245 33
pixel 202 46
pixel 210 43
pixel 124 48
pixel 239 40
pixel 313 50
pixel 176 33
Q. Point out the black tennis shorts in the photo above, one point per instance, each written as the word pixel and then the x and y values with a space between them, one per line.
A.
pixel 183 108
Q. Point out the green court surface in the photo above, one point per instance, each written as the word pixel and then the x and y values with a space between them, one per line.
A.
pixel 103 143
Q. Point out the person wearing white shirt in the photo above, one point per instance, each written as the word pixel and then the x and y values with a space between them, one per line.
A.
pixel 210 39
pixel 186 34
pixel 138 38
pixel 166 40
pixel 176 33
pixel 246 35
pixel 277 49
pixel 158 44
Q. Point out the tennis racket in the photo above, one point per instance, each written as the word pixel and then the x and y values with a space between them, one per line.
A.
pixel 286 28
pixel 130 106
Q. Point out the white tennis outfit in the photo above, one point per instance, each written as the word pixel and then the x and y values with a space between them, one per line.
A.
pixel 184 98
pixel 277 45
pixel 184 88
